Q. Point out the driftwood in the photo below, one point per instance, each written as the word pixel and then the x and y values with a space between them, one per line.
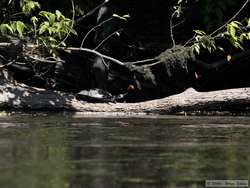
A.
pixel 16 96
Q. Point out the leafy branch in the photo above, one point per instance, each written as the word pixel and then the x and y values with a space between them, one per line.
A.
pixel 236 32
pixel 46 28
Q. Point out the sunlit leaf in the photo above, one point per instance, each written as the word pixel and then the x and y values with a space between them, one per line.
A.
pixel 5 29
pixel 196 48
pixel 199 32
pixel 42 28
pixel 34 20
pixel 20 27
pixel 248 22
pixel 59 15
pixel 121 17
pixel 29 6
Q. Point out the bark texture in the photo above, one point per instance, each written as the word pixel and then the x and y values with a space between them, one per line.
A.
pixel 21 97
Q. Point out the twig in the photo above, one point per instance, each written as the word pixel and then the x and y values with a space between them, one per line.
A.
pixel 189 40
pixel 93 29
pixel 94 52
pixel 78 49
pixel 171 30
pixel 224 25
pixel 6 65
pixel 152 64
pixel 91 12
pixel 44 60
pixel 140 62
pixel 71 49
pixel 107 38
pixel 181 22
pixel 231 19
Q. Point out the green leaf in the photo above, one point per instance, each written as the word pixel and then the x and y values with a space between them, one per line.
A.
pixel 20 27
pixel 34 20
pixel 126 16
pixel 199 32
pixel 196 48
pixel 242 37
pixel 50 30
pixel 120 17
pixel 221 49
pixel 235 43
pixel 73 32
pixel 63 44
pixel 29 6
pixel 52 18
pixel 198 38
pixel 248 22
pixel 58 26
pixel 235 24
pixel 46 14
pixel 52 39
pixel 5 29
pixel 231 30
pixel 59 15
pixel 43 27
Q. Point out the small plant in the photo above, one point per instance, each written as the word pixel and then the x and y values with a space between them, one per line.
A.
pixel 202 40
pixel 236 32
pixel 28 6
pixel 177 9
pixel 45 27
pixel 53 28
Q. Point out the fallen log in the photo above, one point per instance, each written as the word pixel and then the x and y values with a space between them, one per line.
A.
pixel 15 96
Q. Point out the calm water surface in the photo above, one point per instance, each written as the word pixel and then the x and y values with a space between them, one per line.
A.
pixel 67 151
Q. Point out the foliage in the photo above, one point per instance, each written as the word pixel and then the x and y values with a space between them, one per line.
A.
pixel 123 17
pixel 29 5
pixel 202 40
pixel 13 27
pixel 53 26
pixel 44 27
pixel 236 32
pixel 177 9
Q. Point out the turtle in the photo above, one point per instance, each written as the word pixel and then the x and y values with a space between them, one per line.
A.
pixel 95 95
pixel 98 95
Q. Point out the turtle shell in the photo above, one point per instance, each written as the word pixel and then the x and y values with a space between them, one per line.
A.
pixel 94 95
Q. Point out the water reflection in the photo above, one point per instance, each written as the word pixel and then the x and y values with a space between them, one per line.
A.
pixel 68 152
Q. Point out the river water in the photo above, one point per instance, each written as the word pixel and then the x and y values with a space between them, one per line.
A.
pixel 74 151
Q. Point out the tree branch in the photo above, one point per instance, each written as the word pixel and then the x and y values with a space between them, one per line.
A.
pixel 231 19
pixel 94 52
pixel 93 29
pixel 91 12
